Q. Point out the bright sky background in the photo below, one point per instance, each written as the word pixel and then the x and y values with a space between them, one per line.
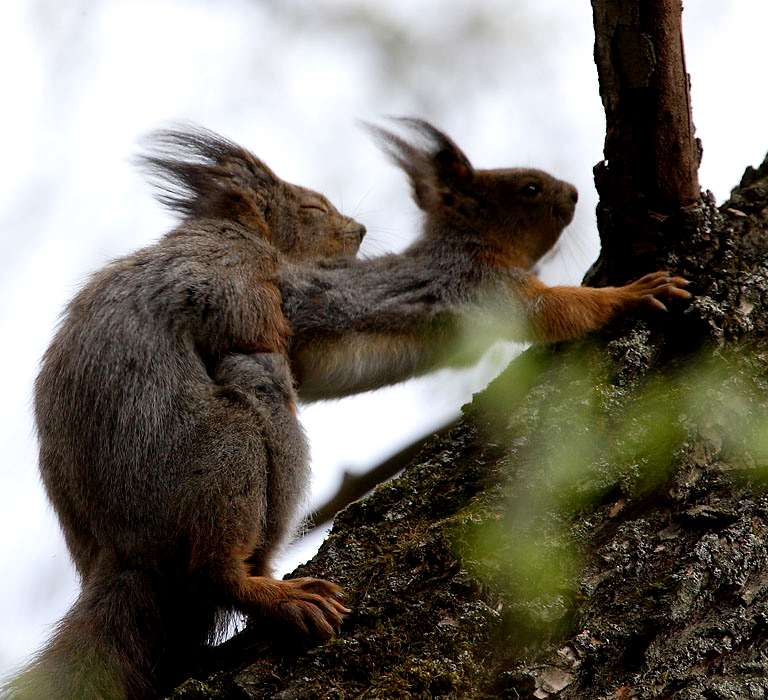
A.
pixel 513 82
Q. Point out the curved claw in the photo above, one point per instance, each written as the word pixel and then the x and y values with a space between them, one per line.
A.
pixel 314 607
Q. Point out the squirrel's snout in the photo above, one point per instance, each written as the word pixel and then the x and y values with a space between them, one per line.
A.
pixel 573 193
pixel 353 229
pixel 359 231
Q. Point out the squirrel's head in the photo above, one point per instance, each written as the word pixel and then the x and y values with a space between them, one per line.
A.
pixel 201 175
pixel 515 215
pixel 306 226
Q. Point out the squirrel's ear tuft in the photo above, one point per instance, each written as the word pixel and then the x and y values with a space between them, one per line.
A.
pixel 436 167
pixel 448 160
pixel 198 173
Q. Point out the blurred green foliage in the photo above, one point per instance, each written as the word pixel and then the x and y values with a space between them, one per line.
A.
pixel 580 440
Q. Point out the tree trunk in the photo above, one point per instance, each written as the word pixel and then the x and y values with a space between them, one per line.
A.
pixel 651 157
pixel 595 525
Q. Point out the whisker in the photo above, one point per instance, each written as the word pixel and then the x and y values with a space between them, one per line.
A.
pixel 375 248
pixel 362 199
pixel 385 237
pixel 372 242
pixel 577 245
pixel 368 212
pixel 383 229
pixel 567 257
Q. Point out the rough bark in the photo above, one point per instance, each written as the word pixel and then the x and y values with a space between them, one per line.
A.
pixel 355 486
pixel 651 156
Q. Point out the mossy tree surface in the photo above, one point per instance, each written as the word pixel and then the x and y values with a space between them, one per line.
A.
pixel 596 525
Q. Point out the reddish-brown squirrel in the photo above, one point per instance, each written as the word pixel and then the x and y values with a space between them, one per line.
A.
pixel 467 280
pixel 168 441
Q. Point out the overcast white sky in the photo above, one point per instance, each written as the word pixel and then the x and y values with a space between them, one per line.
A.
pixel 513 82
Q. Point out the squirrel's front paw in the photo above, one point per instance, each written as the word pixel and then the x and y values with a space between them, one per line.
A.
pixel 650 289
pixel 313 606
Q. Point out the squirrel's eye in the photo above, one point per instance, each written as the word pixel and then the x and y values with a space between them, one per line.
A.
pixel 531 189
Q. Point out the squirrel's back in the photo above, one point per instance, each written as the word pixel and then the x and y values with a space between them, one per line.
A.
pixel 125 380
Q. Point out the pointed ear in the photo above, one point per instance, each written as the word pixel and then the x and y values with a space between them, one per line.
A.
pixel 198 173
pixel 450 164
pixel 438 169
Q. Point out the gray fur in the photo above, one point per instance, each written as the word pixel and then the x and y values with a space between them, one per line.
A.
pixel 168 447
pixel 151 463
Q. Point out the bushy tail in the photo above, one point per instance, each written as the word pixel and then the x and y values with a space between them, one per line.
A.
pixel 103 648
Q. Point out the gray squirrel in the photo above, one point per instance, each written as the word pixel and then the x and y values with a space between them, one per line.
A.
pixel 169 445
pixel 165 406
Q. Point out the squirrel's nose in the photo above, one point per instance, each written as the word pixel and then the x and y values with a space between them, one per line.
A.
pixel 574 193
pixel 360 231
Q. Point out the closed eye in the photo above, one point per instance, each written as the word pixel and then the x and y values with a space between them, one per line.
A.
pixel 315 207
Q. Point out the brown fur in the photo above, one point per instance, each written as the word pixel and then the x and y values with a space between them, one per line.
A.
pixel 565 313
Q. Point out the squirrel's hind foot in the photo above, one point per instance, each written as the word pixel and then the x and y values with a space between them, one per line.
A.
pixel 312 607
